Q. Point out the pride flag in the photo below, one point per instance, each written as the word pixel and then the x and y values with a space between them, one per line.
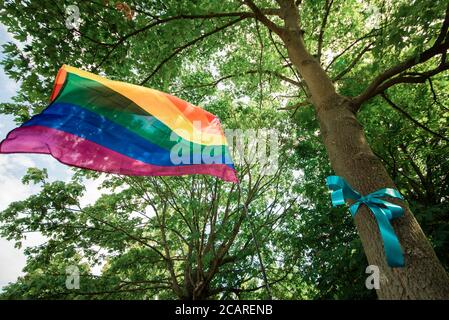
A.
pixel 116 127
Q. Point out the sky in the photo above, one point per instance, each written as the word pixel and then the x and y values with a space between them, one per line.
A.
pixel 12 169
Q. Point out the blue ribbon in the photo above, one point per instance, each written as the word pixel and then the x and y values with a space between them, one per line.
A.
pixel 383 211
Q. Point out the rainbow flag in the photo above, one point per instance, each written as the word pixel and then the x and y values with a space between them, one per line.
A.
pixel 110 126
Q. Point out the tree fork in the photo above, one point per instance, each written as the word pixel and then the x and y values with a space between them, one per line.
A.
pixel 351 157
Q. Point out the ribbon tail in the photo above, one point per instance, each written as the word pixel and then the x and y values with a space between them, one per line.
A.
pixel 337 198
pixel 392 247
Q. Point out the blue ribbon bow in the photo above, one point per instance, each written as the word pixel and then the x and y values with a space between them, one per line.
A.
pixel 383 211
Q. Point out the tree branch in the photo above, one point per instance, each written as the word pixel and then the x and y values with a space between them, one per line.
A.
pixel 296 106
pixel 259 15
pixel 267 11
pixel 217 81
pixel 289 65
pixel 353 63
pixel 159 21
pixel 189 44
pixel 416 77
pixel 409 117
pixel 385 80
pixel 238 290
pixel 369 35
pixel 444 28
pixel 328 7
pixel 435 96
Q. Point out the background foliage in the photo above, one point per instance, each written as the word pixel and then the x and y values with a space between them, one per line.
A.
pixel 241 74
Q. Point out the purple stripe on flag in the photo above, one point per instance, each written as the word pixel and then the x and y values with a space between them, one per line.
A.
pixel 76 151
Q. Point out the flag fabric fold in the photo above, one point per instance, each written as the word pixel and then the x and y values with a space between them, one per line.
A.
pixel 111 126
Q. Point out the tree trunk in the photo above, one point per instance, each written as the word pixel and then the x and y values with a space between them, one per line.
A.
pixel 351 157
pixel 423 277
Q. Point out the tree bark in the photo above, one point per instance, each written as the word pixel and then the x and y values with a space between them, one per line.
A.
pixel 423 277
pixel 351 157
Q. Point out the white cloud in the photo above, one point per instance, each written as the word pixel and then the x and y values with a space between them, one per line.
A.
pixel 12 260
pixel 8 86
pixel 12 167
pixel 6 36
pixel 92 192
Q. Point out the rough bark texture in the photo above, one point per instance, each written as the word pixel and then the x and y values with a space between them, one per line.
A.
pixel 352 158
